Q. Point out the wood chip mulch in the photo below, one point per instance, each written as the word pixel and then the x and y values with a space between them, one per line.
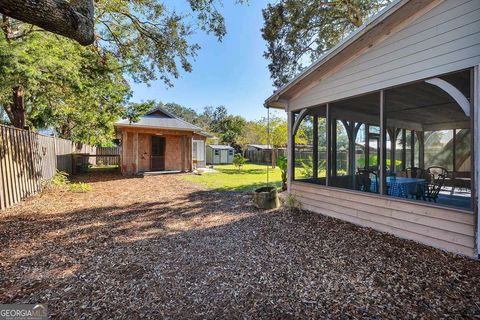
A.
pixel 157 247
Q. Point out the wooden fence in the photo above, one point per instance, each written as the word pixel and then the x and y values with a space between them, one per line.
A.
pixel 263 156
pixel 28 159
pixel 108 160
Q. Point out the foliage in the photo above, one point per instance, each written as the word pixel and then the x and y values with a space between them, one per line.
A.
pixel 59 180
pixel 298 32
pixel 373 160
pixel 185 113
pixel 307 166
pixel 291 202
pixel 81 91
pixel 150 39
pixel 134 110
pixel 79 187
pixel 66 86
pixel 256 132
pixel 283 166
pixel 239 161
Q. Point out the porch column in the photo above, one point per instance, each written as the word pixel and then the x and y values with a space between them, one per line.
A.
pixel 404 149
pixel 333 164
pixel 421 149
pixel 135 152
pixel 383 143
pixel 367 146
pixel 412 148
pixel 328 152
pixel 290 151
pixel 315 147
pixel 475 114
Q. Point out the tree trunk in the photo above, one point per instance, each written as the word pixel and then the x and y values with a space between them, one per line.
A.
pixel 16 109
pixel 72 19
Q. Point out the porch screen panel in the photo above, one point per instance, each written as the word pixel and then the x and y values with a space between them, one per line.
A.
pixel 310 148
pixel 436 147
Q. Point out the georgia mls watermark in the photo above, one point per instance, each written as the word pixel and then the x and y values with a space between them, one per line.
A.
pixel 23 312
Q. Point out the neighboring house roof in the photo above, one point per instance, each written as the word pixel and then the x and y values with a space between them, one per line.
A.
pixel 389 20
pixel 219 146
pixel 47 132
pixel 260 146
pixel 161 119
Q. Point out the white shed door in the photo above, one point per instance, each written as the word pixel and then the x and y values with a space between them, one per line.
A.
pixel 223 156
pixel 198 152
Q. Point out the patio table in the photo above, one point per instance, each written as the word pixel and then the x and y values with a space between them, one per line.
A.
pixel 399 186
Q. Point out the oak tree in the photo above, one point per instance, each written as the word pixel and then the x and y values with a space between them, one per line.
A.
pixel 298 32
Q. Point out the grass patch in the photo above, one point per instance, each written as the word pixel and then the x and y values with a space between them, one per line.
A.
pixel 249 178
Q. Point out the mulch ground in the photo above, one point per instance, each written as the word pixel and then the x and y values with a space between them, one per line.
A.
pixel 156 247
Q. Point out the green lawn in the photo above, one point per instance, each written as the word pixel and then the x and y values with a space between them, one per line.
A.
pixel 250 177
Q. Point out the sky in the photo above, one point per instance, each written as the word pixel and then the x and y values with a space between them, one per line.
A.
pixel 232 73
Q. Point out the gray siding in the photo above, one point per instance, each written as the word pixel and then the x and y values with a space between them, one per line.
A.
pixel 445 39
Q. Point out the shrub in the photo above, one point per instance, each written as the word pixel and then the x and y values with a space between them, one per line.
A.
pixel 239 161
pixel 59 180
pixel 80 187
pixel 291 202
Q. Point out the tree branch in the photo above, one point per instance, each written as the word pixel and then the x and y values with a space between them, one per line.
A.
pixel 72 19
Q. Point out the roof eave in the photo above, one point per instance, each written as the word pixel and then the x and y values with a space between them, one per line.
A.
pixel 124 125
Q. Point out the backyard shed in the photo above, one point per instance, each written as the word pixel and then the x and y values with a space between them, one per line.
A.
pixel 219 154
pixel 399 98
pixel 160 142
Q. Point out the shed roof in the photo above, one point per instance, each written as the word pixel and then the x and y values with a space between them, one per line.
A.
pixel 380 26
pixel 260 146
pixel 161 119
pixel 219 146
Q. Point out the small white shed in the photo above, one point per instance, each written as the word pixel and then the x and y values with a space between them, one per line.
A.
pixel 219 154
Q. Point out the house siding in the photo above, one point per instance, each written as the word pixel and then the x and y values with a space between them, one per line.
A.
pixel 448 229
pixel 445 39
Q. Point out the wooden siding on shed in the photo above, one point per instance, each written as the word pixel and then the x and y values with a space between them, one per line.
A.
pixel 448 229
pixel 445 39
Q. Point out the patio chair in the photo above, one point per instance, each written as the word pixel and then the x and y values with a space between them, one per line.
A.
pixel 415 172
pixel 402 174
pixel 433 188
pixel 363 180
pixel 434 171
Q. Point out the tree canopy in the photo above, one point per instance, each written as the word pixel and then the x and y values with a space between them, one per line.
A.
pixel 80 91
pixel 298 32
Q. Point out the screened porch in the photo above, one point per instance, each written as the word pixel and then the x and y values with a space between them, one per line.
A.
pixel 411 142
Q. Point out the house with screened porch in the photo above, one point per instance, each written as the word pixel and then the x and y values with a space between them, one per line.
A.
pixel 394 113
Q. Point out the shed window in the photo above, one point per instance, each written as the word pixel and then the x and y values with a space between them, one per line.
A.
pixel 230 152
pixel 217 152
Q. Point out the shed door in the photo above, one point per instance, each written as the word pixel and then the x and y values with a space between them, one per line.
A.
pixel 158 153
pixel 223 156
